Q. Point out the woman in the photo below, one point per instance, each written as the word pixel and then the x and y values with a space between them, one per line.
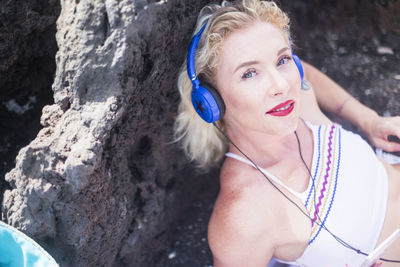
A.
pixel 292 182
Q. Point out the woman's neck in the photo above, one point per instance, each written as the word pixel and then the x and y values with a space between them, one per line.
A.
pixel 263 148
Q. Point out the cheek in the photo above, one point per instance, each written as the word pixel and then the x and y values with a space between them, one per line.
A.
pixel 240 104
pixel 236 101
pixel 231 95
pixel 297 76
pixel 294 79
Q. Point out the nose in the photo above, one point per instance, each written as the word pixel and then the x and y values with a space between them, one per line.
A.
pixel 278 83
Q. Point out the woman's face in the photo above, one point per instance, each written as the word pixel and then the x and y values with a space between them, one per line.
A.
pixel 258 81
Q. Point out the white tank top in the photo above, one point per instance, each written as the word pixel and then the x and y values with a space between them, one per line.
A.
pixel 351 189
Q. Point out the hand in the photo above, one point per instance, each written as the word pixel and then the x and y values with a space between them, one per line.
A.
pixel 378 130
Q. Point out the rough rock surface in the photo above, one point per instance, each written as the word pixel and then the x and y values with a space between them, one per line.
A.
pixel 102 179
pixel 27 67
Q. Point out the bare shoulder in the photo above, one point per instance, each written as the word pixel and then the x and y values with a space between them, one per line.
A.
pixel 240 227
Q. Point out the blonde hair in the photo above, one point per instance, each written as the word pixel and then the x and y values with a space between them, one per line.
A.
pixel 201 141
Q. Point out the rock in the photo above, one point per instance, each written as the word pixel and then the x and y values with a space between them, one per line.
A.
pixel 101 179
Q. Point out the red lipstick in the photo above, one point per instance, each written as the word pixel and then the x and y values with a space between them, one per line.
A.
pixel 282 109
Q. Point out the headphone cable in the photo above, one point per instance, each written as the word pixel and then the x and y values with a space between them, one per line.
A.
pixel 320 223
pixel 341 241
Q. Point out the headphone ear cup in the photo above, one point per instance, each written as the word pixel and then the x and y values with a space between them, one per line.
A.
pixel 218 99
pixel 208 103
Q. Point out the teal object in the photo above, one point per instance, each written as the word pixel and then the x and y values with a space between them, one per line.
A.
pixel 18 250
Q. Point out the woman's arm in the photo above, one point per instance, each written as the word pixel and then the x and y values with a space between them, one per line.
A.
pixel 333 98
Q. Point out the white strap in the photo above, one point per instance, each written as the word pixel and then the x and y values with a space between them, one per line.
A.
pixel 268 174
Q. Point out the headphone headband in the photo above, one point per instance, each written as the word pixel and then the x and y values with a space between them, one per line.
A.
pixel 191 55
pixel 205 99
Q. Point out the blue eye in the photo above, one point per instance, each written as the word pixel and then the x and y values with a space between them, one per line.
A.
pixel 249 74
pixel 284 60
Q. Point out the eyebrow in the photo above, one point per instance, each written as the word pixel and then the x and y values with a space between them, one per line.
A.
pixel 253 62
pixel 283 50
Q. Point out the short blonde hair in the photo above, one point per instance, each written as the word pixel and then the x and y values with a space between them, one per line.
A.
pixel 201 141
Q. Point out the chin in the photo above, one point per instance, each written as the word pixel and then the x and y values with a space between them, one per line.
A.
pixel 287 126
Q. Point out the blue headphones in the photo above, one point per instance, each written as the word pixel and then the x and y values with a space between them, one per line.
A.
pixel 206 100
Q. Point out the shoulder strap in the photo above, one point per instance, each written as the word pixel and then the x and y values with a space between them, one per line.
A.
pixel 268 174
